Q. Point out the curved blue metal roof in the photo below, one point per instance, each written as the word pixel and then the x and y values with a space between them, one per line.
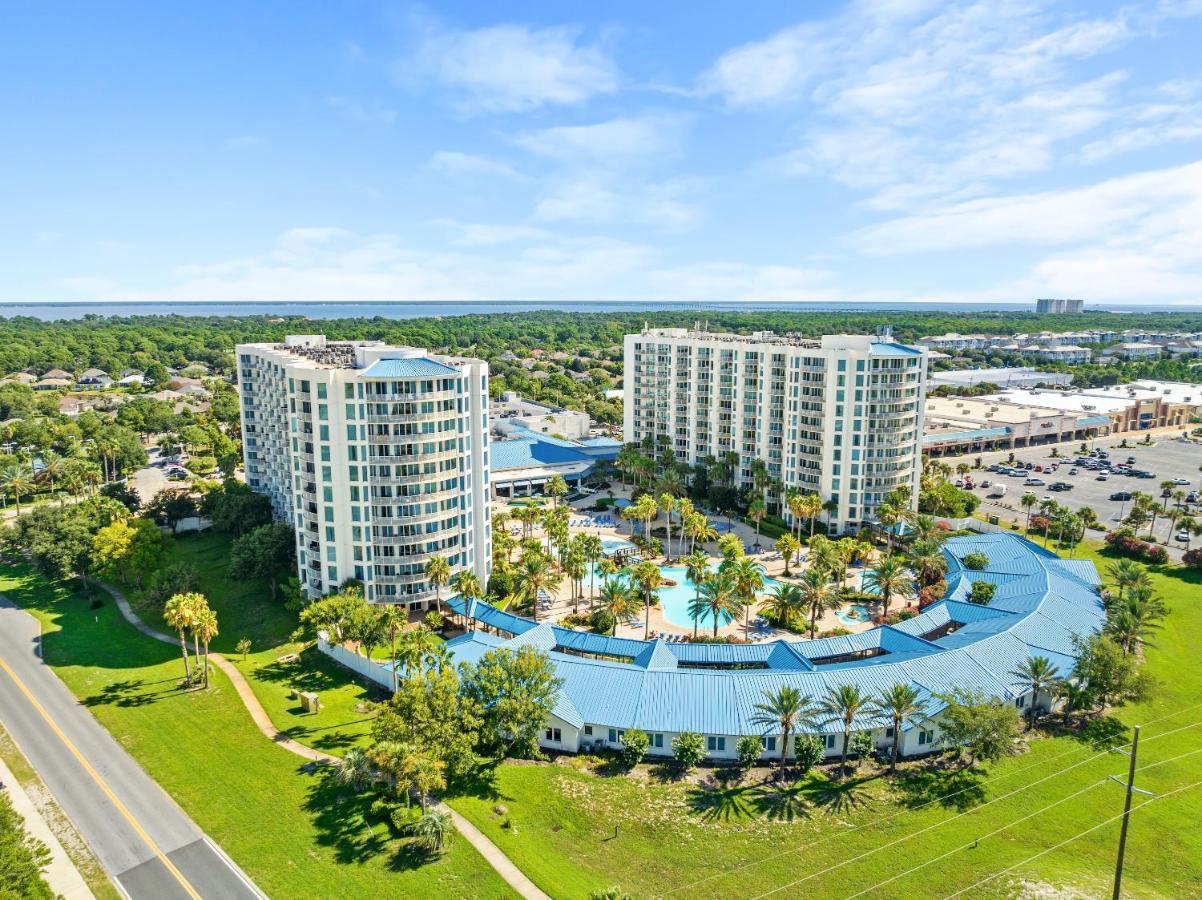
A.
pixel 1042 602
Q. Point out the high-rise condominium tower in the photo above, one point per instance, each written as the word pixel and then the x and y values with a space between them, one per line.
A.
pixel 377 455
pixel 840 416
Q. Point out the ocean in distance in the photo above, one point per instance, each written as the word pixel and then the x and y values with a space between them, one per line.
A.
pixel 416 309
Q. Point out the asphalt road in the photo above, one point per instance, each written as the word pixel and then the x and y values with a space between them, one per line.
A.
pixel 149 847
pixel 1170 458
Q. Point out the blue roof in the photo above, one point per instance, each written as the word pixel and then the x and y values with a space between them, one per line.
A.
pixel 601 442
pixel 408 367
pixel 1040 604
pixel 530 448
pixel 887 348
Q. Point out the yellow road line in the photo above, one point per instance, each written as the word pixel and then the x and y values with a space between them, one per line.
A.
pixel 108 792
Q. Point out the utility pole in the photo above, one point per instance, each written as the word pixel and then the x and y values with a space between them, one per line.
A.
pixel 1129 784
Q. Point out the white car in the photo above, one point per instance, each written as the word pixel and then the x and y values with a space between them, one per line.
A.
pixel 1182 536
pixel 1102 477
pixel 1180 481
pixel 1035 481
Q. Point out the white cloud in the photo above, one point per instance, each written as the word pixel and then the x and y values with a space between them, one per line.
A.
pixel 452 162
pixel 511 68
pixel 917 102
pixel 610 144
pixel 666 206
pixel 478 234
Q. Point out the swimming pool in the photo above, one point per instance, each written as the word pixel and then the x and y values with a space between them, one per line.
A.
pixel 612 545
pixel 674 600
pixel 855 614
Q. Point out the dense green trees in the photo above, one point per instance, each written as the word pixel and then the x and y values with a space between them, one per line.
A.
pixel 23 858
pixel 268 552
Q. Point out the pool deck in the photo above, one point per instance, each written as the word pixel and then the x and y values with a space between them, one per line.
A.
pixel 659 625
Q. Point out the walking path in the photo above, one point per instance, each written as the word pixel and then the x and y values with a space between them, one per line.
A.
pixel 503 865
pixel 62 876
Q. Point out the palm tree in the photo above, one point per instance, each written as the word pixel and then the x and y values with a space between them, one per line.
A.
pixel 786 710
pixel 756 513
pixel 52 468
pixel 593 549
pixel 842 704
pixel 434 831
pixel 394 619
pixel 17 479
pixel 696 566
pixel 1042 676
pixel 205 628
pixel 354 768
pixel 617 599
pixel 1127 574
pixel 815 595
pixel 699 531
pixel 1130 621
pixel 928 562
pixel 667 503
pixel 888 514
pixel 716 597
pixel 534 575
pixel 889 577
pixel 748 577
pixel 466 584
pixel 555 488
pixel 647 576
pixel 784 603
pixel 575 565
pixel 438 571
pixel 899 703
pixel 1028 502
pixel 179 613
pixel 787 546
pixel 645 510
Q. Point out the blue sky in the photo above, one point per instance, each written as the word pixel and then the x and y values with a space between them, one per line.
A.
pixel 879 149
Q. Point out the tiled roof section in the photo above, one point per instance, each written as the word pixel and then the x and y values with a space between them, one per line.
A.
pixel 408 367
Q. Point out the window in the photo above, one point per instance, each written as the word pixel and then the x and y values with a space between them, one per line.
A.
pixel 552 735
pixel 588 729
pixel 1021 702
pixel 715 744
pixel 830 741
pixel 656 741
pixel 616 735
pixel 926 737
pixel 889 732
pixel 768 743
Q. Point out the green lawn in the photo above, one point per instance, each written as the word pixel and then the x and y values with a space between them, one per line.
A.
pixel 573 831
pixel 294 831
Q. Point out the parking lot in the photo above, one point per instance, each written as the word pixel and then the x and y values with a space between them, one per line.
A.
pixel 1170 458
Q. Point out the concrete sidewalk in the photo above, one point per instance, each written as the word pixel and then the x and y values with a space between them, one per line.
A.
pixel 61 874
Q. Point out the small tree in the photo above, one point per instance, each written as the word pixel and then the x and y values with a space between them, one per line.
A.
pixel 976 561
pixel 982 592
pixel 243 647
pixel 434 831
pixel 635 744
pixel 748 749
pixel 988 727
pixel 808 751
pixel 267 552
pixel 688 749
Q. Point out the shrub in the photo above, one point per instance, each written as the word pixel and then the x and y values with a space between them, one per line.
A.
pixel 808 750
pixel 838 631
pixel 982 592
pixel 1193 558
pixel 1125 543
pixel 601 621
pixel 976 561
pixel 1040 524
pixel 748 749
pixel 861 744
pixel 688 749
pixel 174 578
pixel 634 747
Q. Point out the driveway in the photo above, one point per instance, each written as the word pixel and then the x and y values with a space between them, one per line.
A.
pixel 145 842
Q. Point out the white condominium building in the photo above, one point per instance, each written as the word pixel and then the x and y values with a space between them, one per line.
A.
pixel 377 455
pixel 840 416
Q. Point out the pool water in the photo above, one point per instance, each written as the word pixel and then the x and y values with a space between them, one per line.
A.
pixel 854 614
pixel 674 601
pixel 612 544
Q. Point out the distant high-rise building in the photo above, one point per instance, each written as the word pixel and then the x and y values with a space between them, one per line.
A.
pixel 377 455
pixel 1058 305
pixel 840 416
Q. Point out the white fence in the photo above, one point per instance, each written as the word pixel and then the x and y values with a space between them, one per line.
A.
pixel 361 665
pixel 978 525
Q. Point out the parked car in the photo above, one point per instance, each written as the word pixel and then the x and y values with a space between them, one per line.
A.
pixel 1180 481
pixel 1101 477
pixel 1191 497
pixel 1182 536
pixel 1073 470
pixel 1121 495
pixel 1034 481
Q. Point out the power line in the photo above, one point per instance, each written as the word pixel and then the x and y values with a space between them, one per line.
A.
pixel 1068 840
pixel 1019 821
pixel 762 859
pixel 935 825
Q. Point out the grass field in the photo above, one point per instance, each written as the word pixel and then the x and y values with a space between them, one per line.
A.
pixel 573 831
pixel 292 830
